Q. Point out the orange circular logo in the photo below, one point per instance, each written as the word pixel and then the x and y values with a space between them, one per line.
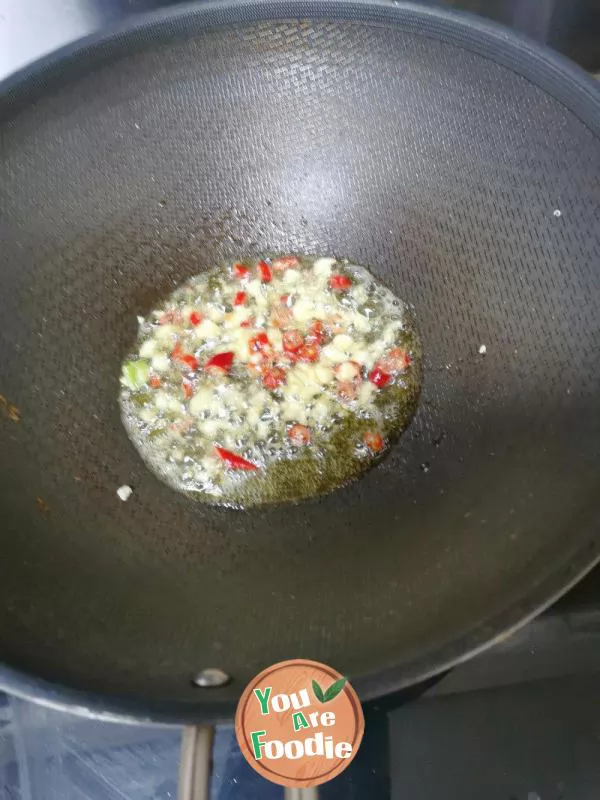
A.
pixel 299 723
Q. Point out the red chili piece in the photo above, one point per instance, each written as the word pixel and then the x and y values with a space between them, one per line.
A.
pixel 195 318
pixel 240 299
pixel 259 343
pixel 221 361
pixel 286 262
pixel 154 381
pixel 396 360
pixel 240 271
pixel 299 434
pixel 264 272
pixel 339 283
pixel 274 377
pixel 379 377
pixel 308 352
pixel 292 341
pixel 190 361
pixel 374 441
pixel 247 323
pixel 188 389
pixel 177 352
pixel 316 333
pixel 233 460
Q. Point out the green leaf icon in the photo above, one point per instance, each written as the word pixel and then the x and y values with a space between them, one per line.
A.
pixel 334 690
pixel 318 692
pixel 331 693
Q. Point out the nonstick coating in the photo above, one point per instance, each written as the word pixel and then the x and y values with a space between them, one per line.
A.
pixel 134 163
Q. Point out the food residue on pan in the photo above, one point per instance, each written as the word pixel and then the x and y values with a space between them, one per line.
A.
pixel 10 411
pixel 272 380
pixel 124 492
pixel 42 506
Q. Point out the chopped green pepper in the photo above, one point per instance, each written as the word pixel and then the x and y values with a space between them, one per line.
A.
pixel 136 373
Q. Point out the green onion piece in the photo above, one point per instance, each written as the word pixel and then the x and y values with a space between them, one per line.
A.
pixel 135 373
pixel 154 434
pixel 141 399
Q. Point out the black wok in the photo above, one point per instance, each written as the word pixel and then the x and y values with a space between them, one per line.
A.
pixel 458 162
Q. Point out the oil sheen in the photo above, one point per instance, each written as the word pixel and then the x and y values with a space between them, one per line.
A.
pixel 271 381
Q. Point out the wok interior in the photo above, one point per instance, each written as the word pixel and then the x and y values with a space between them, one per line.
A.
pixel 438 169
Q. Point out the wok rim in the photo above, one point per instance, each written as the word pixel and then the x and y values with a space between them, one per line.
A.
pixel 556 75
pixel 129 710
